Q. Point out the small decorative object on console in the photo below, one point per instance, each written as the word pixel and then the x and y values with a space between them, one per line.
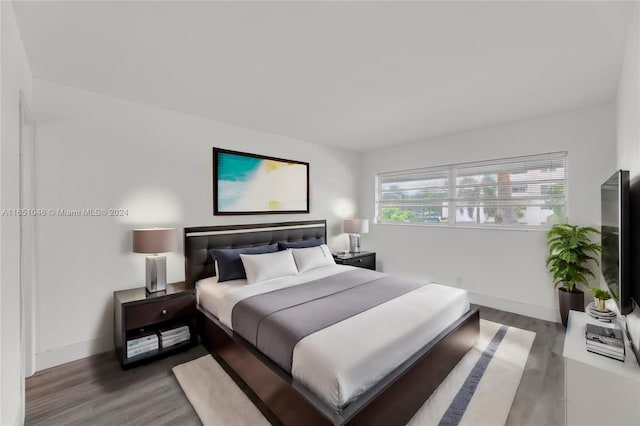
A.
pixel 601 296
pixel 605 341
pixel 604 315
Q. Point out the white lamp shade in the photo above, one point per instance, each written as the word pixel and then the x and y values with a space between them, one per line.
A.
pixel 157 240
pixel 356 226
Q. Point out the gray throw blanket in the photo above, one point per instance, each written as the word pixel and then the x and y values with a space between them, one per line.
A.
pixel 275 322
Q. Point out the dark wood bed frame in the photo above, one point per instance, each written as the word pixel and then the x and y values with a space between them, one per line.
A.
pixel 392 401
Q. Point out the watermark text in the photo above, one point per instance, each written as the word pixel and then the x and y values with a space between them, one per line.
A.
pixel 84 212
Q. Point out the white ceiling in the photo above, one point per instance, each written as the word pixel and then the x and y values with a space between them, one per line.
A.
pixel 358 75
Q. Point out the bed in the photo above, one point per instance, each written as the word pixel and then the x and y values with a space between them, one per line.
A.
pixel 364 348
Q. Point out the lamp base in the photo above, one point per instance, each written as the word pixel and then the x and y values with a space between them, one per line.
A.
pixel 354 243
pixel 156 279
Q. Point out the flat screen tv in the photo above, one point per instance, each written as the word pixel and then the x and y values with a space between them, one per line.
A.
pixel 616 239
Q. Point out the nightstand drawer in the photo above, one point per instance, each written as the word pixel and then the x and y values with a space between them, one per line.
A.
pixel 142 315
pixel 364 261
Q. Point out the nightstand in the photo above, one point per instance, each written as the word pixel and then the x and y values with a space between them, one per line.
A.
pixel 139 315
pixel 363 259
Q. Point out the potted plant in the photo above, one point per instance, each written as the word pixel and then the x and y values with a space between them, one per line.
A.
pixel 601 296
pixel 570 250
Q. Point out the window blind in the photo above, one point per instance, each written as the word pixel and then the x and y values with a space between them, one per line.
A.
pixel 519 191
pixel 515 191
pixel 413 196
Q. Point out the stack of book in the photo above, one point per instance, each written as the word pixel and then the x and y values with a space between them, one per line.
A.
pixel 142 345
pixel 173 336
pixel 605 341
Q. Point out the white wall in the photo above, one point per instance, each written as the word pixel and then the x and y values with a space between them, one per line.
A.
pixel 96 151
pixel 501 268
pixel 15 77
pixel 628 128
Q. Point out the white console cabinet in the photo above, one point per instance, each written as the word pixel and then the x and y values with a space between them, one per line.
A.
pixel 598 390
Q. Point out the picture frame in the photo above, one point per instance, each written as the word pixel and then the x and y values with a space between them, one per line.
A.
pixel 252 184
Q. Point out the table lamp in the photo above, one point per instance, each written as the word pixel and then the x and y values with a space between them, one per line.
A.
pixel 154 241
pixel 355 227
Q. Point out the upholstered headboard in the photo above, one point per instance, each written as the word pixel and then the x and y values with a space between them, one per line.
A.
pixel 199 240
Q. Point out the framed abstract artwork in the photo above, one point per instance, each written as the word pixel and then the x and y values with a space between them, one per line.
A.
pixel 246 183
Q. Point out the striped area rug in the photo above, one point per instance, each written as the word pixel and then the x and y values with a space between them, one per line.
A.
pixel 478 391
pixel 481 388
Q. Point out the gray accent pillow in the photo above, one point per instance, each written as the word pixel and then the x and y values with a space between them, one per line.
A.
pixel 283 245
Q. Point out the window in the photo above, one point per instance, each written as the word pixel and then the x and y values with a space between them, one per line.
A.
pixel 521 189
pixel 521 192
pixel 414 196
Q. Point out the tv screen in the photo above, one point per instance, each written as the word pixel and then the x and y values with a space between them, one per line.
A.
pixel 616 238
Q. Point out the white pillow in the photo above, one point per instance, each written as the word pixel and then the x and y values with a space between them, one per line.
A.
pixel 262 267
pixel 311 258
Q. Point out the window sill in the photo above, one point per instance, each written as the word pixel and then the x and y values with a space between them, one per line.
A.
pixel 467 226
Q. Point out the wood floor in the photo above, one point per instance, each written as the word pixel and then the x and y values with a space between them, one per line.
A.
pixel 540 397
pixel 97 391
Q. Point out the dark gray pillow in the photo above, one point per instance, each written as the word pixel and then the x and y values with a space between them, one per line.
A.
pixel 229 263
pixel 283 245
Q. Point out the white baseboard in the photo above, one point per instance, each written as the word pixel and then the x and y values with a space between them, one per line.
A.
pixel 534 311
pixel 21 413
pixel 68 353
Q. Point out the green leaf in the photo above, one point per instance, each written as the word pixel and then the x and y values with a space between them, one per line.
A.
pixel 570 250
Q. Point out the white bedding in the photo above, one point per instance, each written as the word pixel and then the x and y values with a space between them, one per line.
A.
pixel 220 298
pixel 340 362
pixel 210 292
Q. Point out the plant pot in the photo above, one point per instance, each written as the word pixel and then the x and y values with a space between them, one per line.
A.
pixel 600 304
pixel 570 301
